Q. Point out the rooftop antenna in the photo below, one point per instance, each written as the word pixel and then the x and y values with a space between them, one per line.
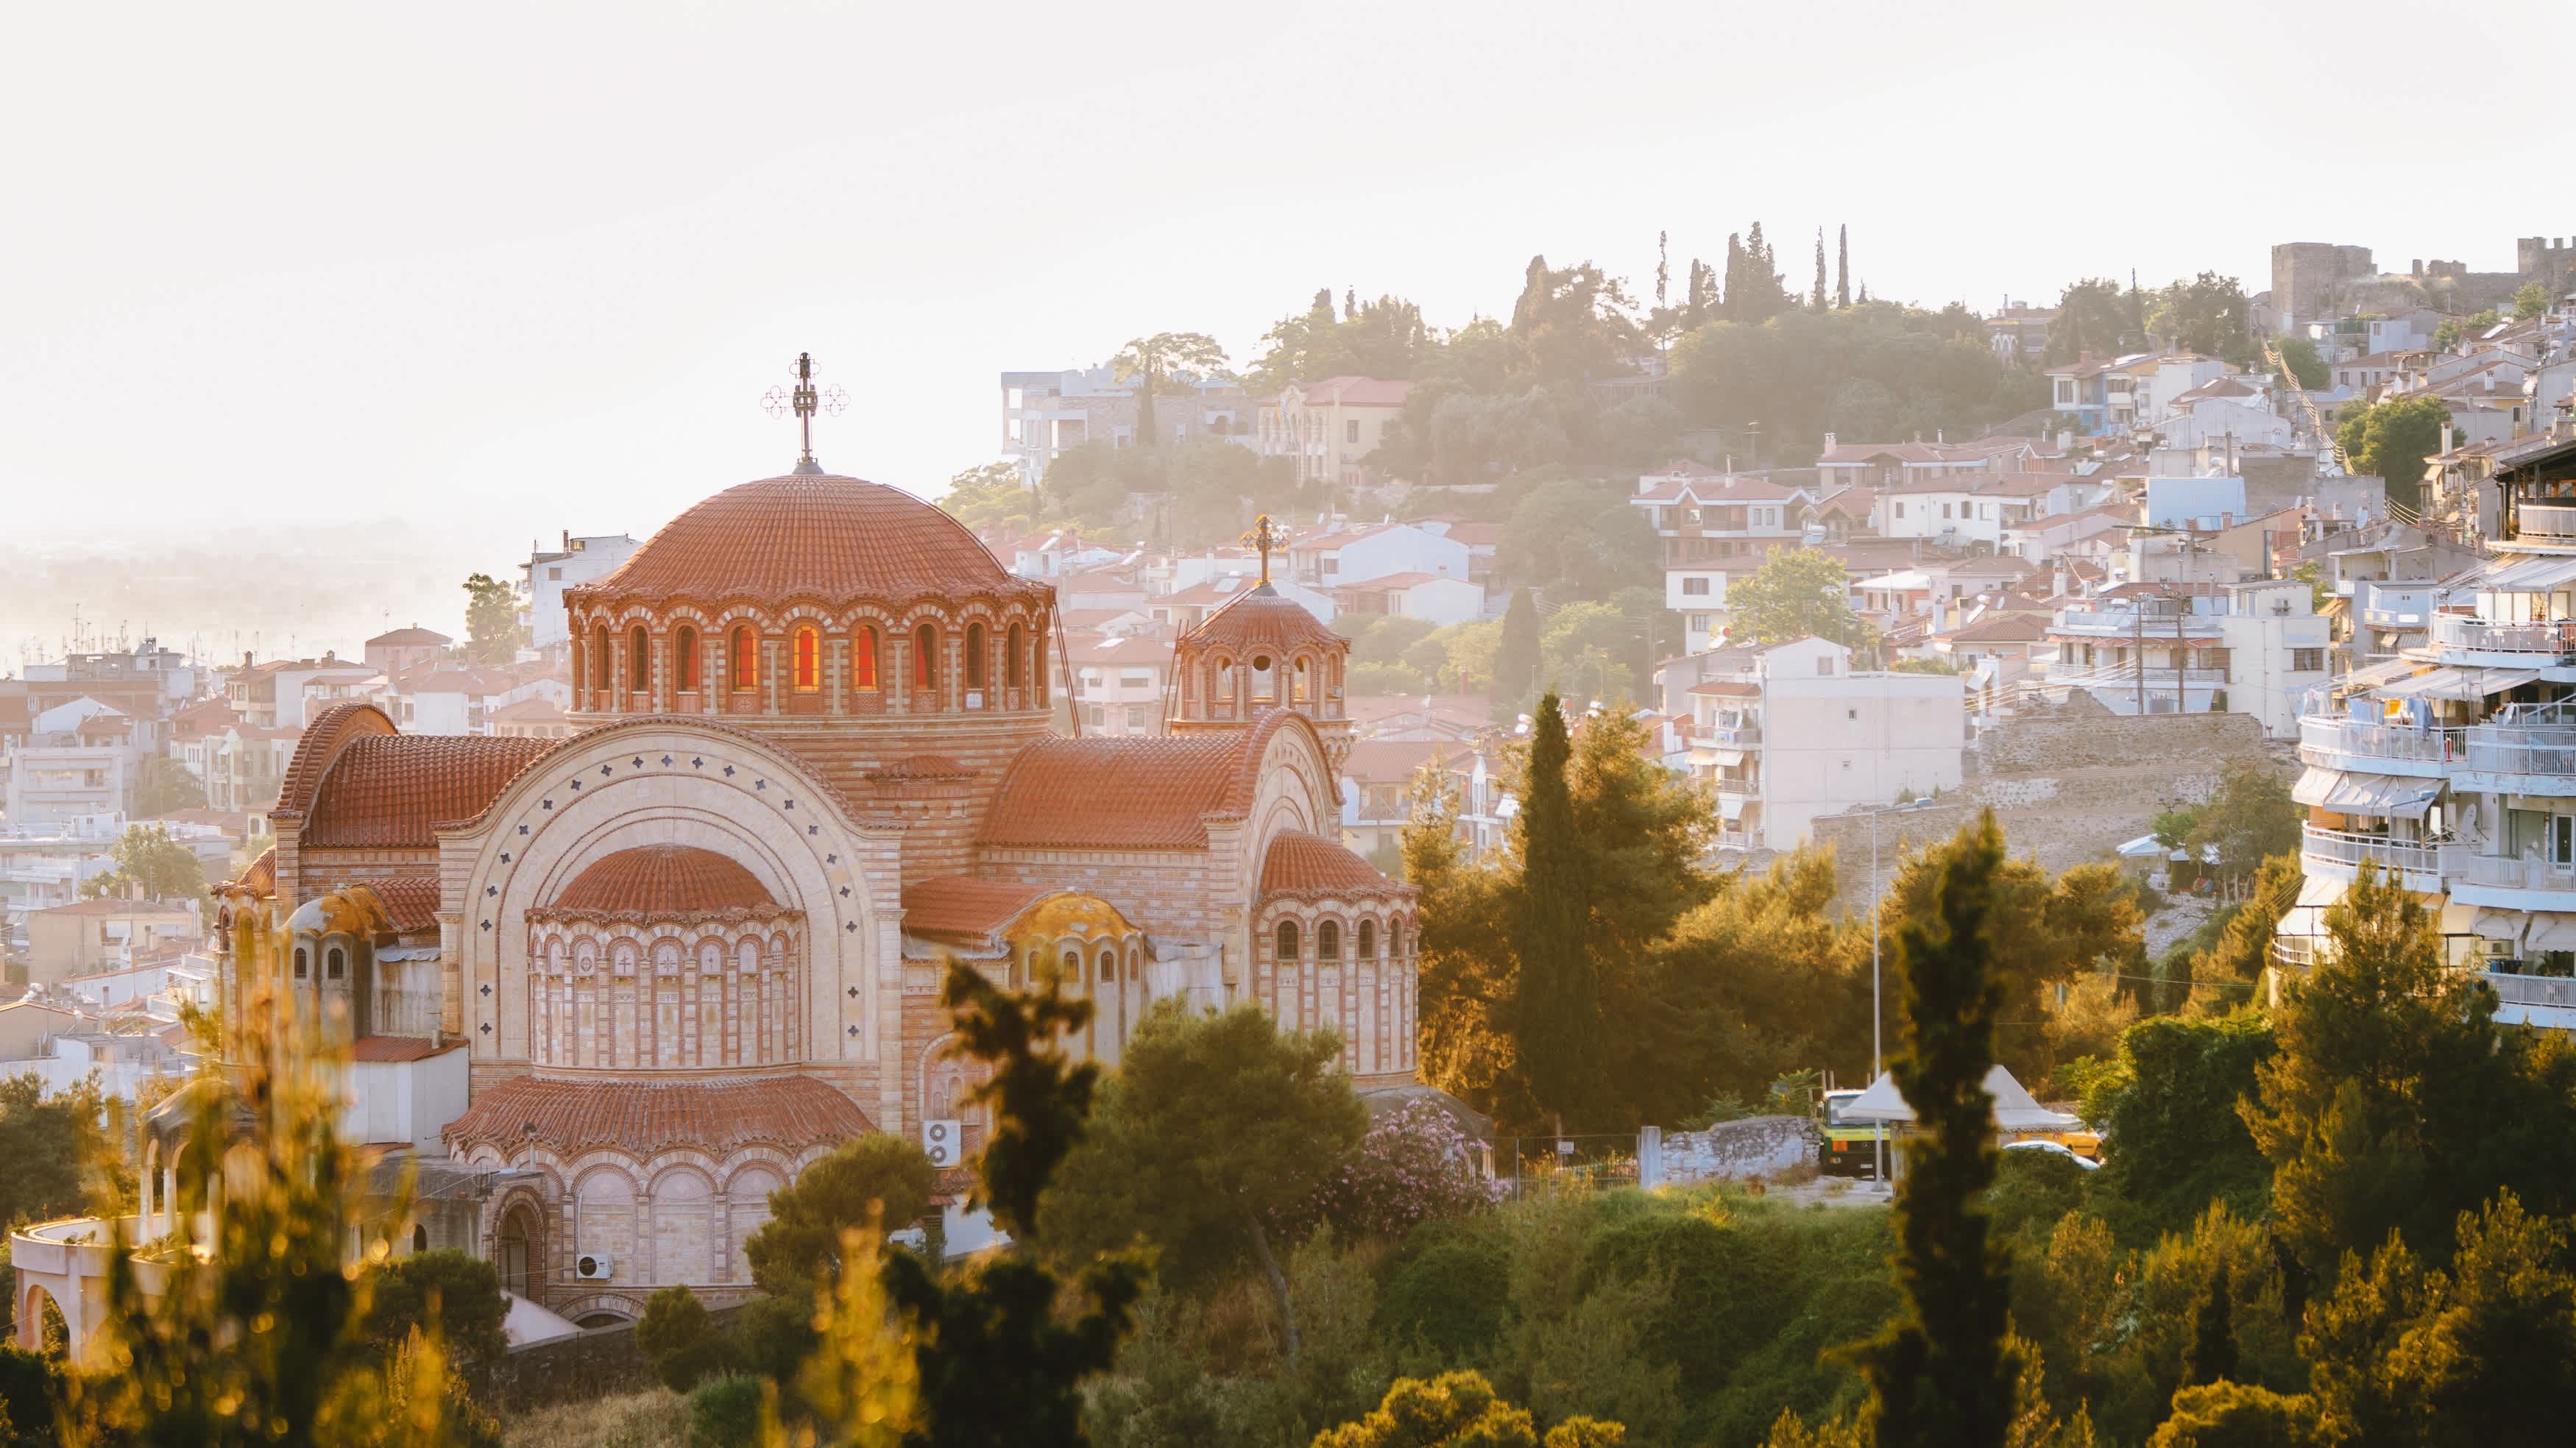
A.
pixel 804 400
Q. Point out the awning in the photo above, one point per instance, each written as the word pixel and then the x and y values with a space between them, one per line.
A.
pixel 2551 930
pixel 2322 890
pixel 1729 758
pixel 2366 794
pixel 2527 575
pixel 2464 684
pixel 2385 672
pixel 2499 924
pixel 1730 807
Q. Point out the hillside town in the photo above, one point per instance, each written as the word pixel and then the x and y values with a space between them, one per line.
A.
pixel 740 749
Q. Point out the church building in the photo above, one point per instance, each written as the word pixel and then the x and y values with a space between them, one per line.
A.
pixel 698 944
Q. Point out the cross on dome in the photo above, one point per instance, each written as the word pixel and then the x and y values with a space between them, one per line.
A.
pixel 1265 536
pixel 805 400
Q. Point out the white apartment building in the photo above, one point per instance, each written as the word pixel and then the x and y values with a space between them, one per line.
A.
pixel 2195 648
pixel 1119 682
pixel 1715 526
pixel 2452 767
pixel 1788 732
pixel 1045 413
pixel 547 573
pixel 1348 556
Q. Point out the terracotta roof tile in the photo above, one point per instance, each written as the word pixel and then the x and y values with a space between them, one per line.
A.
pixel 662 880
pixel 644 1117
pixel 392 791
pixel 390 1049
pixel 1264 618
pixel 323 736
pixel 414 637
pixel 411 901
pixel 963 908
pixel 1115 794
pixel 1315 868
pixel 261 877
pixel 815 535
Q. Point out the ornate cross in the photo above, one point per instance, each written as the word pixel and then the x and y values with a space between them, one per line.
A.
pixel 1265 537
pixel 805 400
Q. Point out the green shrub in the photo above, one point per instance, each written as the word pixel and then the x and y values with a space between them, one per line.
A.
pixel 468 1292
pixel 679 1338
pixel 29 1385
pixel 1452 1295
pixel 2032 1190
pixel 773 1335
pixel 725 1413
pixel 1726 1289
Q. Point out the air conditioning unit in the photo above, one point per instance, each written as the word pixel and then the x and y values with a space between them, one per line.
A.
pixel 944 1142
pixel 593 1267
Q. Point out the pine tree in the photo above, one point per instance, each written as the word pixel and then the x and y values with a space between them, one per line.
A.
pixel 1516 656
pixel 1842 265
pixel 1556 1010
pixel 1818 299
pixel 2213 1337
pixel 1943 1374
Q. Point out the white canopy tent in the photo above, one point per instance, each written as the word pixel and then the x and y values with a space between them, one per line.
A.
pixel 2015 1108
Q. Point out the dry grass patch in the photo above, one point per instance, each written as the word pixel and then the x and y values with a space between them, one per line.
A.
pixel 655 1419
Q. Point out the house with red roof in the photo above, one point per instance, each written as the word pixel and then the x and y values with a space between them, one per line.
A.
pixel 1329 427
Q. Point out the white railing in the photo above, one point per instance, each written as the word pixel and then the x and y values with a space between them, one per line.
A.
pixel 2500 749
pixel 2387 605
pixel 2381 741
pixel 2084 676
pixel 2507 873
pixel 2126 624
pixel 2555 639
pixel 2534 990
pixel 2552 522
pixel 2414 857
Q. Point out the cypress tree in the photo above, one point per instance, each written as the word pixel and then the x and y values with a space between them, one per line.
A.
pixel 1729 303
pixel 1943 1374
pixel 1556 1010
pixel 1818 300
pixel 1842 265
pixel 1516 654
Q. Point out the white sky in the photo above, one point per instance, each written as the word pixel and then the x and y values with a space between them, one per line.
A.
pixel 507 269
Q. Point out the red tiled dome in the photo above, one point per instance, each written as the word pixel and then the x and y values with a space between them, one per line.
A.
pixel 1264 618
pixel 1311 866
pixel 832 538
pixel 662 880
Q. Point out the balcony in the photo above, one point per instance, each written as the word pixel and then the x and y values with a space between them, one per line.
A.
pixel 2546 523
pixel 1727 736
pixel 2383 748
pixel 2522 642
pixel 2550 992
pixel 2126 623
pixel 2396 605
pixel 2521 759
pixel 2125 676
pixel 2502 872
pixel 2419 864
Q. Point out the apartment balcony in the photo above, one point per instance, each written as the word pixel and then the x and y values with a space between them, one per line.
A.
pixel 2396 605
pixel 2549 992
pixel 2520 759
pixel 2509 883
pixel 2331 743
pixel 1727 736
pixel 2418 864
pixel 2544 525
pixel 2504 643
pixel 2126 624
pixel 2125 676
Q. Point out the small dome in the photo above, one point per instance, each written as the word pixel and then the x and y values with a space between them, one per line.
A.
pixel 663 880
pixel 1264 618
pixel 812 534
pixel 1302 864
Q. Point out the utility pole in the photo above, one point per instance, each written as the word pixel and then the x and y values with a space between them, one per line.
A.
pixel 2138 618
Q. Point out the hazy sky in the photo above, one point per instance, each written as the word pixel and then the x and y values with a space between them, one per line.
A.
pixel 507 269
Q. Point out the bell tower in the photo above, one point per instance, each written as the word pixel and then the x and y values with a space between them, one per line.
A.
pixel 1261 651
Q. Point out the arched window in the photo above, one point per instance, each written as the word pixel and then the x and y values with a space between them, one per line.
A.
pixel 1368 940
pixel 975 656
pixel 684 649
pixel 1328 942
pixel 1265 682
pixel 863 657
pixel 809 659
pixel 1014 668
pixel 599 675
pixel 925 657
pixel 1038 661
pixel 1073 967
pixel 303 964
pixel 1224 692
pixel 1287 942
pixel 335 963
pixel 1298 682
pixel 746 660
pixel 639 660
pixel 1109 967
pixel 420 1236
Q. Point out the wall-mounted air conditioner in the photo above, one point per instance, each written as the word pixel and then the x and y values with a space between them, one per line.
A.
pixel 593 1267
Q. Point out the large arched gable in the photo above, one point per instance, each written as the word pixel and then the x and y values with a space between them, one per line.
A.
pixel 1287 784
pixel 670 781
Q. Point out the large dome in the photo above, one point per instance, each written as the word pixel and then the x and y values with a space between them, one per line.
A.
pixel 662 880
pixel 833 539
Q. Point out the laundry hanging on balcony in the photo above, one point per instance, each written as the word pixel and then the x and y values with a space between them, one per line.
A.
pixel 2366 794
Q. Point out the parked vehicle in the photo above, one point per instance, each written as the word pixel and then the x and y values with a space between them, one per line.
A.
pixel 2056 1148
pixel 1849 1148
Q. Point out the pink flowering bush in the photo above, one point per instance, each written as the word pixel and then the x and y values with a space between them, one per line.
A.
pixel 1412 1166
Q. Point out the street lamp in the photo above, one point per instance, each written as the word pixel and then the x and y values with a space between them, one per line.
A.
pixel 1877 1065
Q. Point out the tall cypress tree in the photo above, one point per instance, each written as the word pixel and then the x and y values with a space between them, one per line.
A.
pixel 1556 1007
pixel 1516 654
pixel 1729 304
pixel 1943 1375
pixel 1842 265
pixel 1818 300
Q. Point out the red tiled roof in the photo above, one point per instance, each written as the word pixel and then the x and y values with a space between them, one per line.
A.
pixel 1382 760
pixel 536 708
pixel 261 877
pixel 323 736
pixel 662 880
pixel 1126 793
pixel 959 907
pixel 644 1117
pixel 1314 868
pixel 1264 618
pixel 391 791
pixel 394 1049
pixel 414 637
pixel 411 901
pixel 814 535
